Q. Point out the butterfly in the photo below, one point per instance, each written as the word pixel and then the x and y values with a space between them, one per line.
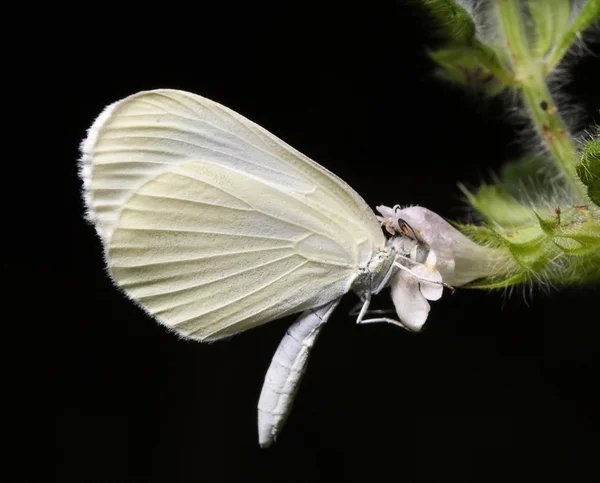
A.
pixel 214 226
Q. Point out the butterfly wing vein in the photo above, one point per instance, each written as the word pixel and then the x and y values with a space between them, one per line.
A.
pixel 211 223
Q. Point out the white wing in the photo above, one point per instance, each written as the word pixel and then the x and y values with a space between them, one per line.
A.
pixel 286 371
pixel 137 138
pixel 213 224
pixel 210 251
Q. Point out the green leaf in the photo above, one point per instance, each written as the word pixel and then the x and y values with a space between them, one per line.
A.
pixel 463 65
pixel 594 193
pixel 588 15
pixel 588 168
pixel 454 22
pixel 551 19
pixel 465 59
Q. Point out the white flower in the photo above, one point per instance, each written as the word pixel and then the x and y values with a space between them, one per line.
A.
pixel 459 259
pixel 410 293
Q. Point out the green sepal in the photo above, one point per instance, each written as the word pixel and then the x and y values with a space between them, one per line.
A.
pixel 582 249
pixel 498 281
pixel 530 178
pixel 559 245
pixel 548 226
pixel 532 254
pixel 480 234
pixel 499 207
pixel 584 270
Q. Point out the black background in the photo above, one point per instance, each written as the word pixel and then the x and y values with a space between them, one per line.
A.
pixel 496 389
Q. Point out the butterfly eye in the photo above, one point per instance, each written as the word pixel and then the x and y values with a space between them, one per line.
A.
pixel 404 228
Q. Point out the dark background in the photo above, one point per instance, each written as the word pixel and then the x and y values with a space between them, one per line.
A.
pixel 496 389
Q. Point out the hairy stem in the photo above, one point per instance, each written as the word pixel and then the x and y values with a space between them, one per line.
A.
pixel 530 80
pixel 552 129
pixel 490 60
pixel 509 15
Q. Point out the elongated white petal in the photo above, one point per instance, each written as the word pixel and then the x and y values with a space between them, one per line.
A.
pixel 431 261
pixel 431 291
pixel 411 306
pixel 387 213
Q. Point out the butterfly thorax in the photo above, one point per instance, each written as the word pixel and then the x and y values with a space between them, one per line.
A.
pixel 370 277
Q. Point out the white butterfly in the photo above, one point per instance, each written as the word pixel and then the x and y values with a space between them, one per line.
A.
pixel 214 226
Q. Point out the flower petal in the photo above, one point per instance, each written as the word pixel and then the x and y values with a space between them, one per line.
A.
pixel 431 291
pixel 459 259
pixel 431 260
pixel 387 212
pixel 411 306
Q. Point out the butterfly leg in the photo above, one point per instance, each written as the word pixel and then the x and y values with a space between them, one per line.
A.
pixel 365 309
pixel 423 279
pixel 383 319
pixel 384 280
pixel 356 310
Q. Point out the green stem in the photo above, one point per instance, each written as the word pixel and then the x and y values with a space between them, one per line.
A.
pixel 530 81
pixel 488 58
pixel 551 129
pixel 589 14
pixel 509 15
